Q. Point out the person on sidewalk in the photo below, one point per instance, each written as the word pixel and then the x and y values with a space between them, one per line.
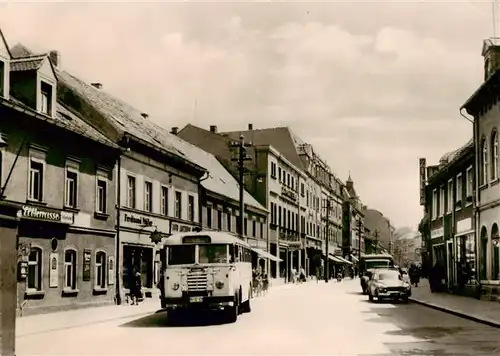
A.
pixel 136 289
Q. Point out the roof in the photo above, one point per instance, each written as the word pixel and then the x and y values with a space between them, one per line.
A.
pixel 68 120
pixel 451 156
pixel 27 64
pixel 222 237
pixel 280 138
pixel 4 41
pixel 130 120
pixel 19 51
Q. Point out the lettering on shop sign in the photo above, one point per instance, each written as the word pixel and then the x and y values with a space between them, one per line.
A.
pixel 181 228
pixel 139 220
pixel 33 212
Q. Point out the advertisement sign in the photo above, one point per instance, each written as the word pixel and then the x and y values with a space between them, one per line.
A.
pixel 45 214
pixel 422 164
pixel 54 270
pixel 111 270
pixel 87 258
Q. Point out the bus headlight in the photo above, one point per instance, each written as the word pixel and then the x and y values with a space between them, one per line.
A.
pixel 219 284
pixel 175 286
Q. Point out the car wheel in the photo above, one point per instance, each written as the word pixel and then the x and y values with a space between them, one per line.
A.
pixel 370 297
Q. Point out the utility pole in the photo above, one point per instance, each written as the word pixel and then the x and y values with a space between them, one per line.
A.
pixel 241 159
pixel 327 239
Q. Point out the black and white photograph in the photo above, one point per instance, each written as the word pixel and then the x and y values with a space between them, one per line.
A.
pixel 239 178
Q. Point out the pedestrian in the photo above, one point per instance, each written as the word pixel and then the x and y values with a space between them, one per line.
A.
pixel 136 289
pixel 302 274
pixel 265 284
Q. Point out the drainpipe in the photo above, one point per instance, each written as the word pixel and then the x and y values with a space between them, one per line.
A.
pixel 200 202
pixel 475 201
pixel 118 263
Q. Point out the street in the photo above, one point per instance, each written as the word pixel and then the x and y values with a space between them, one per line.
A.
pixel 307 319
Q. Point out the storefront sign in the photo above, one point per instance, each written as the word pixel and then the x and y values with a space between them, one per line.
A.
pixel 437 233
pixel 140 221
pixel 54 270
pixel 39 213
pixel 176 227
pixel 422 162
pixel 464 225
pixel 87 259
pixel 111 270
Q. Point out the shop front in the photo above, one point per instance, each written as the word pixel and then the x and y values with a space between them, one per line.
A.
pixel 465 256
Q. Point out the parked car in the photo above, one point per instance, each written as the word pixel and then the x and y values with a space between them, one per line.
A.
pixel 388 284
pixel 365 278
pixel 372 261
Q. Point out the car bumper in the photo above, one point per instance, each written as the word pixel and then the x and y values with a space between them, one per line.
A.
pixel 395 294
pixel 205 303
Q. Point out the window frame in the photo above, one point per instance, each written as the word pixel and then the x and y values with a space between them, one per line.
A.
pixel 441 201
pixel 148 196
pixel 39 264
pixel 131 200
pixel 469 188
pixel 178 204
pixel 484 161
pixel 164 203
pixel 449 195
pixel 459 190
pixel 494 156
pixel 105 180
pixel 48 95
pixel 75 171
pixel 191 209
pixel 103 266
pixel 33 159
pixel 434 206
pixel 73 266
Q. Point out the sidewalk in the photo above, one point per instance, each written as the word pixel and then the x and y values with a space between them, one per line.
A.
pixel 43 323
pixel 485 312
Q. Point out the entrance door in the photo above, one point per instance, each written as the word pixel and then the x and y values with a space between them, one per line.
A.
pixel 449 263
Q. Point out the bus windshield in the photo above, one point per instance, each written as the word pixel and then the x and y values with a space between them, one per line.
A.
pixel 181 255
pixel 186 254
pixel 378 264
pixel 213 253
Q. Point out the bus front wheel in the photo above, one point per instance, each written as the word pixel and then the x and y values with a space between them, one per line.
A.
pixel 232 312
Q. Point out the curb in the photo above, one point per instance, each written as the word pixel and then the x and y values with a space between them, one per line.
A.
pixel 101 321
pixel 460 314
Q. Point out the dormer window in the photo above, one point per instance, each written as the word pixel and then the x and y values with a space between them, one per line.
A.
pixel 46 98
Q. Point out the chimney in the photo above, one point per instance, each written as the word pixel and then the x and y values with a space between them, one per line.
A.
pixel 144 115
pixel 55 58
pixel 250 127
pixel 97 85
pixel 174 130
pixel 491 54
pixel 213 128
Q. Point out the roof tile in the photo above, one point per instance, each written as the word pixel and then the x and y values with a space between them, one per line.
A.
pixel 19 65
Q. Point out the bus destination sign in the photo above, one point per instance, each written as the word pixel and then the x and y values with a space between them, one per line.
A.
pixel 196 239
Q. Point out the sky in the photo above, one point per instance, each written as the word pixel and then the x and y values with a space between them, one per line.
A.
pixel 372 86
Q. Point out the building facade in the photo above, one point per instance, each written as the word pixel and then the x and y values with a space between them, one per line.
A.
pixel 448 229
pixel 353 243
pixel 58 175
pixel 483 107
pixel 159 184
pixel 381 230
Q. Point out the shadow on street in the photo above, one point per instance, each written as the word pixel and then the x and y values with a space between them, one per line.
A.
pixel 186 319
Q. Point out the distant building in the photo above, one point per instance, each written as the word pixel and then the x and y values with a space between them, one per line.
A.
pixel 380 228
pixel 353 227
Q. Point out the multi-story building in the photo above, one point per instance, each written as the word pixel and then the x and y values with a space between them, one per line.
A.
pixel 353 243
pixel 273 180
pixel 448 226
pixel 483 106
pixel 380 228
pixel 58 183
pixel 158 187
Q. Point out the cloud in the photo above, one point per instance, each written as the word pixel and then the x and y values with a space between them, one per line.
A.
pixel 372 85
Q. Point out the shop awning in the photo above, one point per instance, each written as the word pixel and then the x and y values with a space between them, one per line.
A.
pixel 335 259
pixel 344 260
pixel 266 254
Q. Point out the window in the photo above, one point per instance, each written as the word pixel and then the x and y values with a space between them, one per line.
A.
pixel 458 187
pixel 209 216
pixel 100 269
pixel 131 192
pixel 293 184
pixel 246 227
pixel 434 204
pixel 190 208
pixel 449 196
pixel 279 174
pixel 219 219
pixel 228 217
pixel 102 196
pixel 288 179
pixel 46 98
pixel 441 201
pixel 494 155
pixel 70 269
pixel 71 188
pixel 148 196
pixel 35 269
pixel 254 228
pixel 2 74
pixel 164 200
pixel 178 205
pixel 261 230
pixel 302 189
pixel 36 180
pixel 273 170
pixel 469 182
pixel 484 161
pixel 273 215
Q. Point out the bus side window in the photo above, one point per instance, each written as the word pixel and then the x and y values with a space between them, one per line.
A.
pixel 231 254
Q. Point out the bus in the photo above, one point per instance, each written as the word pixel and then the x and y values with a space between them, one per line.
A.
pixel 206 270
pixel 373 261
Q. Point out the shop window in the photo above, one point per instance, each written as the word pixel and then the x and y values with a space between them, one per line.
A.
pixel 36 179
pixel 35 269
pixel 102 195
pixel 70 269
pixel 100 269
